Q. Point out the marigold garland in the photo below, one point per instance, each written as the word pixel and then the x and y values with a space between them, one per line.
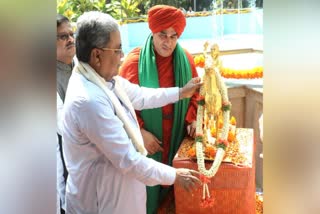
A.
pixel 253 73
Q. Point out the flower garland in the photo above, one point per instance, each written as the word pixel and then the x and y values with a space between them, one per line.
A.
pixel 211 150
pixel 222 142
pixel 253 73
pixel 208 96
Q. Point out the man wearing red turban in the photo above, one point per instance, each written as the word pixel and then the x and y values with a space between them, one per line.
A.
pixel 162 62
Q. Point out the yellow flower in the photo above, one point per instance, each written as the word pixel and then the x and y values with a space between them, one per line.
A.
pixel 68 13
pixel 213 132
pixel 233 121
pixel 199 61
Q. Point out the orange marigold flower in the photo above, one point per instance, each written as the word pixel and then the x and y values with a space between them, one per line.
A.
pixel 210 151
pixel 231 137
pixel 192 152
pixel 201 64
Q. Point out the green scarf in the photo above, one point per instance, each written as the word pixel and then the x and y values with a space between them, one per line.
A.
pixel 148 77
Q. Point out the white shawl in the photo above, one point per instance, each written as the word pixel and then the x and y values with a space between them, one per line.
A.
pixel 91 75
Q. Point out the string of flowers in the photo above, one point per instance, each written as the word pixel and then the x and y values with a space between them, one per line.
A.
pixel 222 141
pixel 253 73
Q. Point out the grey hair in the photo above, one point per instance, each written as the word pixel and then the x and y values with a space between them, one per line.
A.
pixel 61 19
pixel 93 31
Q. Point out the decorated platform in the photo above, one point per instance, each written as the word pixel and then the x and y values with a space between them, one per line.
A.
pixel 232 189
pixel 221 152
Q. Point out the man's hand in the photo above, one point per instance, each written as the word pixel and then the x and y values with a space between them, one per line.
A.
pixel 191 129
pixel 186 178
pixel 151 143
pixel 190 88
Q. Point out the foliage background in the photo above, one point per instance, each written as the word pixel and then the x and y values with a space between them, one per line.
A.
pixel 124 10
pixel 120 10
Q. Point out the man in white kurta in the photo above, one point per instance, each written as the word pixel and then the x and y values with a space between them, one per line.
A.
pixel 112 171
pixel 103 146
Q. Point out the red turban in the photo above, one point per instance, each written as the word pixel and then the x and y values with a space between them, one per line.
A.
pixel 161 17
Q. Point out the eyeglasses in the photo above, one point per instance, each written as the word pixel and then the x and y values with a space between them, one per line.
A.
pixel 116 51
pixel 164 36
pixel 65 36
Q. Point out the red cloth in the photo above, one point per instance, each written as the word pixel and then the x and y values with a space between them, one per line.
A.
pixel 129 70
pixel 161 17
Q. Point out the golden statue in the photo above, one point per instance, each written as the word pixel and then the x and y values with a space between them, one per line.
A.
pixel 210 91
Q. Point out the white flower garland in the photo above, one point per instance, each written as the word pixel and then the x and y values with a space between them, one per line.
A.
pixel 199 130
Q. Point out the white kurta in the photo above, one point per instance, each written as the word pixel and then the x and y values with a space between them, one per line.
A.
pixel 106 173
pixel 61 185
